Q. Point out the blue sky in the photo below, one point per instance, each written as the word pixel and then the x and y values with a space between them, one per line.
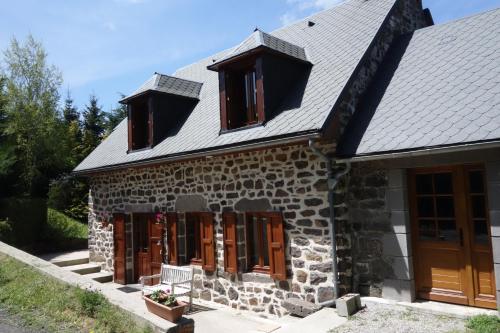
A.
pixel 111 46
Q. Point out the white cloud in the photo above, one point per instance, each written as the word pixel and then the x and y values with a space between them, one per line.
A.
pixel 300 8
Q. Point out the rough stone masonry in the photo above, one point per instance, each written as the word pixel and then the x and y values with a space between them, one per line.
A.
pixel 289 179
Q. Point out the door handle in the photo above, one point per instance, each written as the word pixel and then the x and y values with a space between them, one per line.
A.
pixel 461 237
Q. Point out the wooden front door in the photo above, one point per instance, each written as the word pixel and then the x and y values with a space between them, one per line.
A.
pixel 156 236
pixel 148 245
pixel 451 240
pixel 119 274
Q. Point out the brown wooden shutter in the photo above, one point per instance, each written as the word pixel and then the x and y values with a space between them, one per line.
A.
pixel 276 246
pixel 207 241
pixel 156 235
pixel 223 100
pixel 120 275
pixel 260 90
pixel 229 222
pixel 172 239
pixel 130 130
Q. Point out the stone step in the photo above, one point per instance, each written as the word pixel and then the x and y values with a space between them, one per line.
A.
pixel 70 262
pixel 64 259
pixel 84 269
pixel 101 277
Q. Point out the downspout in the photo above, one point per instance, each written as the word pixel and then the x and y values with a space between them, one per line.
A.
pixel 332 181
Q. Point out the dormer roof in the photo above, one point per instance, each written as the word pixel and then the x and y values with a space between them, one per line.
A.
pixel 259 41
pixel 169 85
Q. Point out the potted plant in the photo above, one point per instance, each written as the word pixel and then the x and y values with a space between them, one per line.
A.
pixel 164 304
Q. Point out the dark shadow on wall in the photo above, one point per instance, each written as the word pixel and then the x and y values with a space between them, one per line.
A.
pixel 355 130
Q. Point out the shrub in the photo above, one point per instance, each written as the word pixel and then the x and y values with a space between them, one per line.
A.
pixel 484 324
pixel 27 218
pixel 5 231
pixel 90 302
pixel 70 196
pixel 60 226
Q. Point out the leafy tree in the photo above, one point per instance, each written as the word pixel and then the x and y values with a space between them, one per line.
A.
pixel 7 153
pixel 115 116
pixel 93 125
pixel 33 119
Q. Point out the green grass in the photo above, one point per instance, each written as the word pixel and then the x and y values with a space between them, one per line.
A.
pixel 47 304
pixel 484 324
pixel 62 226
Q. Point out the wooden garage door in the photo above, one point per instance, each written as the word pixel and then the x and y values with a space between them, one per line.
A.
pixel 452 250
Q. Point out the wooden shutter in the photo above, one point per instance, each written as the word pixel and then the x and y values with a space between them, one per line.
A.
pixel 156 236
pixel 207 241
pixel 276 246
pixel 172 239
pixel 230 242
pixel 223 100
pixel 120 275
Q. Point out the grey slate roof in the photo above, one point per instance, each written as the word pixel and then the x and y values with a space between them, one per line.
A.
pixel 261 39
pixel 444 91
pixel 169 85
pixel 335 45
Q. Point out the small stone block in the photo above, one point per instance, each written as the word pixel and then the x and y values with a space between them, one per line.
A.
pixel 300 307
pixel 348 304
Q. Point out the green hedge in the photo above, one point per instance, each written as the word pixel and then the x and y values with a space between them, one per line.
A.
pixel 24 220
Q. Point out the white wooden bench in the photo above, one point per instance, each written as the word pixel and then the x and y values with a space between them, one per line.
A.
pixel 177 280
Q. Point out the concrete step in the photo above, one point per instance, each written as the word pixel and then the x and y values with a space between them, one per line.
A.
pixel 84 269
pixel 102 276
pixel 70 262
pixel 65 259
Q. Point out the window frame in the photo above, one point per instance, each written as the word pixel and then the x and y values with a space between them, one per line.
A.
pixel 253 89
pixel 195 219
pixel 251 266
pixel 145 106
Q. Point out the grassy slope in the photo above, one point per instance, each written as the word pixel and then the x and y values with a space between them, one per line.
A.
pixel 64 226
pixel 45 303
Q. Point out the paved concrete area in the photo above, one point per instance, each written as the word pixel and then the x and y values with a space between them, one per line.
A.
pixel 65 256
pixel 445 309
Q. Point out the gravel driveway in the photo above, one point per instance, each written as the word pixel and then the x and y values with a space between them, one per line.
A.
pixel 398 319
pixel 12 324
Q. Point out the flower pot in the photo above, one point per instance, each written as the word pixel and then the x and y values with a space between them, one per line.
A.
pixel 166 312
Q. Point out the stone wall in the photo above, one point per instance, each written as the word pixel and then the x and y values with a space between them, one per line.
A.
pixel 289 179
pixel 378 212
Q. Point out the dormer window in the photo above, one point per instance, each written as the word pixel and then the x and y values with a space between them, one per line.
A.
pixel 140 124
pixel 246 98
pixel 243 99
pixel 157 109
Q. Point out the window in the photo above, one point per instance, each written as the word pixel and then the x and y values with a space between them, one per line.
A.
pixel 193 240
pixel 241 96
pixel 258 252
pixel 139 125
pixel 265 244
pixel 200 245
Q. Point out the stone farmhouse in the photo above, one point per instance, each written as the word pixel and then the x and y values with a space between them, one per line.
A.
pixel 357 150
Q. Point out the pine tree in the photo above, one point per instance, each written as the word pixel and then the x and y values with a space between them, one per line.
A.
pixel 93 125
pixel 70 112
pixel 73 133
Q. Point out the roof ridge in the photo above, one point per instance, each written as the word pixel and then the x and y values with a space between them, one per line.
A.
pixel 459 19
